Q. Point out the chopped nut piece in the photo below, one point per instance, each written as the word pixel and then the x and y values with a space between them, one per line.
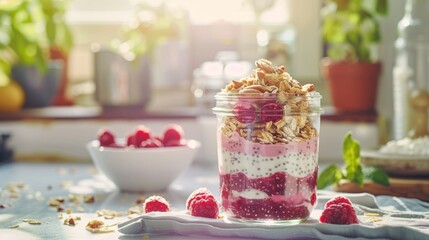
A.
pixel 108 213
pixel 60 216
pixel 13 195
pixel 60 208
pixel 371 214
pixel 140 200
pixel 97 226
pixel 68 210
pixel 89 199
pixel 54 203
pixel 31 221
pixel 136 210
pixel 71 221
pixel 66 184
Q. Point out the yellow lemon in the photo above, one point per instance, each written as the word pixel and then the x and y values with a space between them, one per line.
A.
pixel 11 97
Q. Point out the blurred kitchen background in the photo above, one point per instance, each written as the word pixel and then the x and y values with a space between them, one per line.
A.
pixel 143 60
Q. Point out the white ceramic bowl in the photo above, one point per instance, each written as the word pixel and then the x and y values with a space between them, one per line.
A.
pixel 142 169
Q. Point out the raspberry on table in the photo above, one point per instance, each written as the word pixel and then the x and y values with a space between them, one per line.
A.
pixel 199 193
pixel 156 204
pixel 341 213
pixel 204 207
pixel 337 200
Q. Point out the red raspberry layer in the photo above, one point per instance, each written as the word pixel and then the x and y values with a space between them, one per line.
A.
pixel 259 209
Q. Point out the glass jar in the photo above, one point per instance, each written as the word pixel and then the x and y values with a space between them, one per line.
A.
pixel 411 70
pixel 268 148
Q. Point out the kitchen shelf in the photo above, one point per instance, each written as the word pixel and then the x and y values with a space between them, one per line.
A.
pixel 78 112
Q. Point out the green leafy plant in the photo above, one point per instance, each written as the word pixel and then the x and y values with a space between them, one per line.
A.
pixel 152 25
pixel 353 170
pixel 351 29
pixel 27 29
pixel 57 29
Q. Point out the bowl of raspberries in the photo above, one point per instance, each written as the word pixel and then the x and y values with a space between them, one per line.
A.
pixel 143 161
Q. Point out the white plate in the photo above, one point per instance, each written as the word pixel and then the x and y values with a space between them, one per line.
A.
pixel 397 164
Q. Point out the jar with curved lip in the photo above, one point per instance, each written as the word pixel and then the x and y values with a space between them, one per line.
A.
pixel 268 148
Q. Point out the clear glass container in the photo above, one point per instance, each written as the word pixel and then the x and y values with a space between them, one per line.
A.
pixel 411 70
pixel 268 148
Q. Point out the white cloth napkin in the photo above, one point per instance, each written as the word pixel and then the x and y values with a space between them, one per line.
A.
pixel 385 222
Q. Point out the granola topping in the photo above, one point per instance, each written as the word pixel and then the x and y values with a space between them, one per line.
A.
pixel 268 84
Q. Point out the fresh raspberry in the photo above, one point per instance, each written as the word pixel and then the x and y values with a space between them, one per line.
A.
pixel 105 137
pixel 173 132
pixel 151 143
pixel 271 112
pixel 199 193
pixel 337 200
pixel 131 139
pixel 341 213
pixel 204 207
pixel 156 204
pixel 140 135
pixel 244 112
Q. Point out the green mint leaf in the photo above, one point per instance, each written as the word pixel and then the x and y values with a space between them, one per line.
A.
pixel 351 151
pixel 355 174
pixel 376 175
pixel 351 155
pixel 330 175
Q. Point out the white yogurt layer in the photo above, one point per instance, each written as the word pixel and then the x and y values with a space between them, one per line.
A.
pixel 255 166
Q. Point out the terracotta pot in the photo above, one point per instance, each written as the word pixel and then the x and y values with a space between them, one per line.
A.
pixel 61 98
pixel 353 85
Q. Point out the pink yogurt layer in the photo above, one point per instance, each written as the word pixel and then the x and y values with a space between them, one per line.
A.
pixel 238 144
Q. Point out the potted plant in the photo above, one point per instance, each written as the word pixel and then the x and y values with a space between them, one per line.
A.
pixel 25 51
pixel 127 80
pixel 351 33
pixel 60 41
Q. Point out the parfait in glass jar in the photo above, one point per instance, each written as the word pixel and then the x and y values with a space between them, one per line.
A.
pixel 268 141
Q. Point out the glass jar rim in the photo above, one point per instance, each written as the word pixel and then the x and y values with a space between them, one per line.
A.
pixel 312 97
pixel 260 96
